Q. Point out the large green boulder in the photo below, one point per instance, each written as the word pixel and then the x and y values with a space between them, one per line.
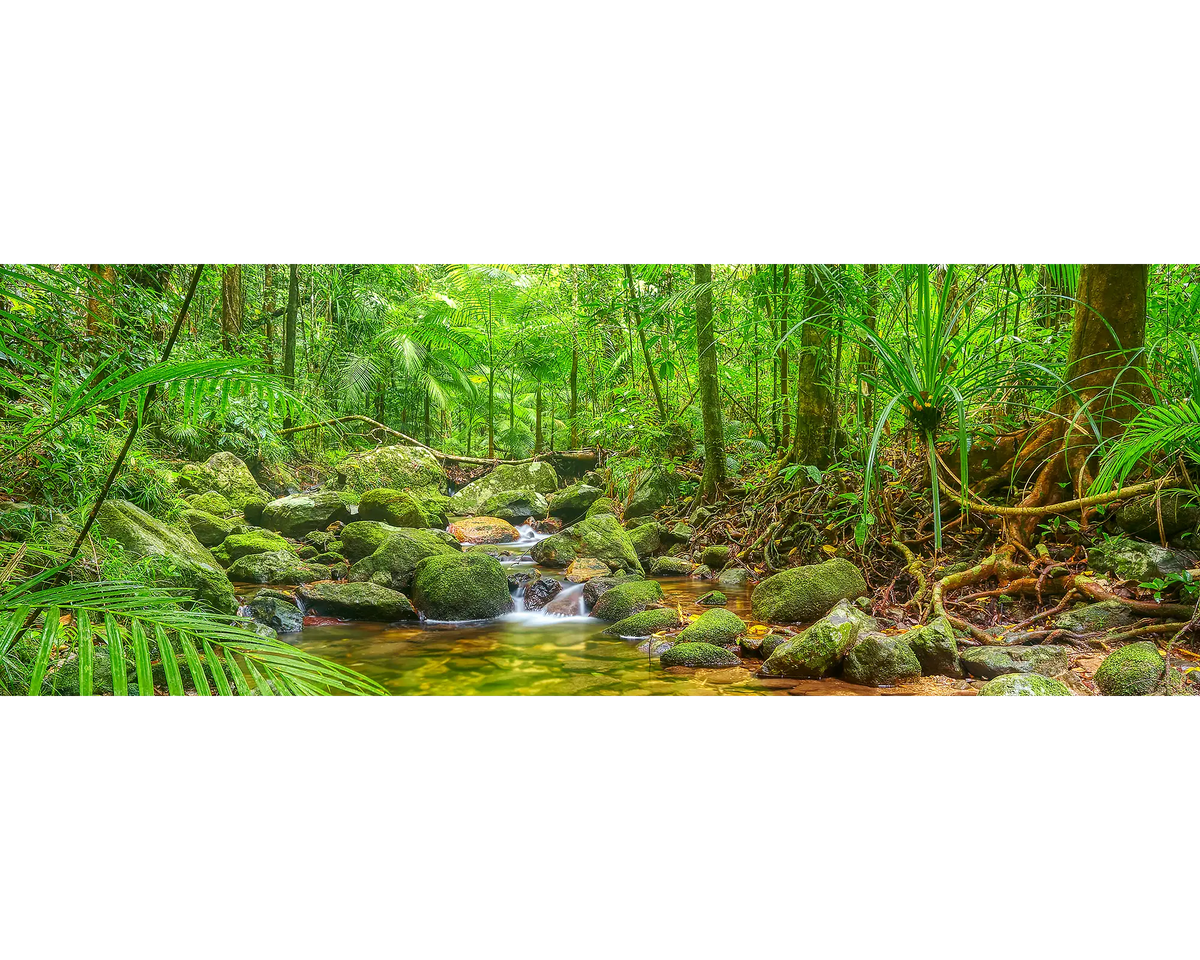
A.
pixel 625 599
pixel 698 655
pixel 655 490
pixel 715 556
pixel 516 506
pixel 936 648
pixel 279 566
pixel 646 623
pixel 280 614
pixel 393 562
pixel 208 529
pixel 505 478
pixel 819 650
pixel 214 503
pixel 1137 670
pixel 461 586
pixel 296 515
pixel 648 539
pixel 734 577
pixel 238 545
pixel 356 601
pixel 571 503
pixel 878 660
pixel 719 626
pixel 670 566
pixel 557 550
pixel 396 468
pixel 1134 559
pixel 401 508
pixel 1178 511
pixel 1024 685
pixel 225 474
pixel 361 538
pixel 806 593
pixel 1095 617
pixel 604 538
pixel 603 505
pixel 988 662
pixel 595 588
pixel 143 536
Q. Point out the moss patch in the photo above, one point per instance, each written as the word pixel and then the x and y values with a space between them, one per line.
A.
pixel 1137 670
pixel 1024 685
pixel 646 623
pixel 625 599
pixel 718 627
pixel 698 655
pixel 461 586
pixel 806 593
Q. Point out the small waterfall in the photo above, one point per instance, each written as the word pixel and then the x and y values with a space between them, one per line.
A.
pixel 519 599
pixel 568 605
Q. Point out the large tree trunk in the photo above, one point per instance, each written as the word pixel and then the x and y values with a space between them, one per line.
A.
pixel 289 332
pixel 573 409
pixel 537 419
pixel 814 400
pixel 786 437
pixel 232 304
pixel 1103 380
pixel 866 357
pixel 710 393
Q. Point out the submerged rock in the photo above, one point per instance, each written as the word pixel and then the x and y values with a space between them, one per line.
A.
pixel 540 592
pixel 670 566
pixel 357 601
pixel 719 627
pixel 505 478
pixel 461 586
pixel 516 506
pixel 713 598
pixel 698 655
pixel 484 530
pixel 817 651
pixel 1138 670
pixel 624 599
pixel 936 648
pixel 393 563
pixel 571 503
pixel 1134 559
pixel 396 468
pixel 279 614
pixel 279 566
pixel 296 515
pixel 878 660
pixel 646 623
pixel 1024 685
pixel 194 566
pixel 988 662
pixel 806 593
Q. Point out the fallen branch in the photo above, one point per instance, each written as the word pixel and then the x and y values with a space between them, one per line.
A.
pixel 1067 506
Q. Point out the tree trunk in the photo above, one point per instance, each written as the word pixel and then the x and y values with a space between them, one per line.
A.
pixel 786 434
pixel 98 309
pixel 637 319
pixel 268 307
pixel 814 401
pixel 232 305
pixel 573 409
pixel 289 332
pixel 537 419
pixel 866 357
pixel 710 391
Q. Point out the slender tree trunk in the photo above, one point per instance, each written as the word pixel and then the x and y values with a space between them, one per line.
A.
pixel 573 409
pixel 426 417
pixel 783 357
pixel 268 307
pixel 289 332
pixel 100 297
pixel 637 318
pixel 866 357
pixel 232 305
pixel 537 419
pixel 710 391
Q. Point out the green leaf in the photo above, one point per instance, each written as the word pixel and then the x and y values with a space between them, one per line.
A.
pixel 141 659
pixel 85 652
pixel 50 633
pixel 170 666
pixel 195 667
pixel 116 656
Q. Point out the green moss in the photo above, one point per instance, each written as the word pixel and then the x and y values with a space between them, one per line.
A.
pixel 988 662
pixel 670 566
pixel 698 655
pixel 239 545
pixel 214 503
pixel 604 538
pixel 329 559
pixel 557 550
pixel 280 566
pixel 819 650
pixel 296 515
pixel 396 468
pixel 1024 685
pixel 1137 670
pixel 461 586
pixel 602 506
pixel 505 478
pixel 516 506
pixel 361 538
pixel 936 648
pixel 252 509
pixel 715 557
pixel 878 660
pixel 306 551
pixel 356 601
pixel 714 598
pixel 279 614
pixel 396 507
pixel 574 501
pixel 806 593
pixel 625 599
pixel 392 564
pixel 718 627
pixel 646 623
pixel 206 527
pixel 648 539
pixel 1094 617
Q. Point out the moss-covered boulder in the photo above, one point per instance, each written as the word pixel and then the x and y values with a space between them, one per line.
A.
pixel 583 569
pixel 504 479
pixel 253 509
pixel 194 567
pixel 207 528
pixel 1138 670
pixel 356 601
pixel 985 663
pixel 557 550
pixel 714 598
pixel 719 626
pixel 669 566
pixel 603 505
pixel 329 558
pixel 214 503
pixel 625 599
pixel 681 532
pixel 654 490
pixel 1178 510
pixel 281 615
pixel 734 577
pixel 401 508
pixel 648 539
pixel 227 475
pixel 238 545
pixel 572 502
pixel 1024 685
pixel 1134 559
pixel 936 648
pixel 395 468
pixel 1095 617
pixel 698 655
pixel 300 513
pixel 806 593
pixel 604 538
pixel 516 506
pixel 278 566
pixel 461 586
pixel 392 563
pixel 306 551
pixel 361 538
pixel 878 660
pixel 646 623
pixel 594 589
pixel 323 539
pixel 715 556
pixel 484 530
pixel 819 650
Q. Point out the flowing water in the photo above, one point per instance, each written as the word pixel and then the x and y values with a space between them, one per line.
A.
pixel 554 651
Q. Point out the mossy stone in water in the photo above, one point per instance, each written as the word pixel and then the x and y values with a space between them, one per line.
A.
pixel 516 506
pixel 698 655
pixel 556 550
pixel 238 545
pixel 461 586
pixel 1024 685
pixel 734 577
pixel 806 593
pixel 624 599
pixel 719 627
pixel 715 557
pixel 714 598
pixel 936 648
pixel 594 589
pixel 817 651
pixel 361 538
pixel 393 563
pixel 604 538
pixel 878 660
pixel 279 566
pixel 321 539
pixel 281 615
pixel 988 662
pixel 670 566
pixel 646 623
pixel 1136 670
pixel 539 477
pixel 357 601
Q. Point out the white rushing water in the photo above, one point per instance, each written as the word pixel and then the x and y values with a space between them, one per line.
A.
pixel 566 606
